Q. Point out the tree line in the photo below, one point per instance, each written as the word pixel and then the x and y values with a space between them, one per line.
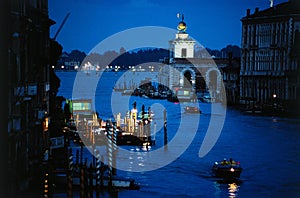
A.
pixel 143 55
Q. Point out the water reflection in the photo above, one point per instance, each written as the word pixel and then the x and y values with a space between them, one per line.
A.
pixel 230 187
pixel 232 190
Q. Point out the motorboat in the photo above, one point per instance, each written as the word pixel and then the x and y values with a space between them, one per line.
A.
pixel 208 99
pixel 227 169
pixel 190 109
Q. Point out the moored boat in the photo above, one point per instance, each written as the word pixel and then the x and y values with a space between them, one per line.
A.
pixel 60 177
pixel 190 109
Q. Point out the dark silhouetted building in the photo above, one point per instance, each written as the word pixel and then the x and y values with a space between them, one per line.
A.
pixel 270 57
pixel 28 88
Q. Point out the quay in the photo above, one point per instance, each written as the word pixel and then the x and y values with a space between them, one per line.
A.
pixel 134 129
pixel 83 160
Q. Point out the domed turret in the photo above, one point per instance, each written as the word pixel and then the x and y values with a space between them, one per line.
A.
pixel 181 27
pixel 182 45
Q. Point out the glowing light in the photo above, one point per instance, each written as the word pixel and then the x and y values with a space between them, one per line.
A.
pixel 232 169
pixel 233 189
pixel 46 124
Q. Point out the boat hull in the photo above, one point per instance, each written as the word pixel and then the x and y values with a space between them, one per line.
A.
pixel 193 110
pixel 227 171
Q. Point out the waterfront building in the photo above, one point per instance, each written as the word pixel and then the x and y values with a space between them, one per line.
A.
pixel 230 70
pixel 28 86
pixel 270 57
pixel 189 76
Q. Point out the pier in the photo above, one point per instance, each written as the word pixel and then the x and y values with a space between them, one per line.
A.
pixel 84 159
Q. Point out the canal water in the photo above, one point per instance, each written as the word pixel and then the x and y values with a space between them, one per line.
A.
pixel 267 147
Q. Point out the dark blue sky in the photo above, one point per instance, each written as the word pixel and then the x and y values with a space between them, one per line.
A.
pixel 213 23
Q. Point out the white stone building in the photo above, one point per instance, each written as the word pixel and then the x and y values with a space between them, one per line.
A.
pixel 185 75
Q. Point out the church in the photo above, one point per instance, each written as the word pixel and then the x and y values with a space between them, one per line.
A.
pixel 188 76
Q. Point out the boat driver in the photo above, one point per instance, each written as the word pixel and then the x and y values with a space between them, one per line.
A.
pixel 224 162
pixel 232 162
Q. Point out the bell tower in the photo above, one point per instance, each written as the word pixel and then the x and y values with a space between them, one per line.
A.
pixel 182 46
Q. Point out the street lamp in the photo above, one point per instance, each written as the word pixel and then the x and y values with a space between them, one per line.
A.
pixel 274 100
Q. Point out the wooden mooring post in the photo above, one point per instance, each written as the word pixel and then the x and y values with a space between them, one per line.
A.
pixel 102 170
pixel 111 150
pixel 77 159
pixel 70 174
pixel 98 173
pixel 91 178
pixel 165 130
pixel 83 180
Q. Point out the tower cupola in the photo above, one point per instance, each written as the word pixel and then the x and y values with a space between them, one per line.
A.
pixel 182 46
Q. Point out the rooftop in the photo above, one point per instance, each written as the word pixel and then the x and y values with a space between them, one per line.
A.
pixel 289 8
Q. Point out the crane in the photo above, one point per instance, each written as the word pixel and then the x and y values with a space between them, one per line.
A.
pixel 62 24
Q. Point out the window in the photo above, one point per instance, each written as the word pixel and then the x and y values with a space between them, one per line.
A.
pixel 183 52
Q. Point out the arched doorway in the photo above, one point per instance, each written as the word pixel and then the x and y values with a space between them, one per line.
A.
pixel 200 83
pixel 213 80
pixel 213 83
pixel 187 79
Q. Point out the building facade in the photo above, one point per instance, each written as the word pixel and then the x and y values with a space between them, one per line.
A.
pixel 270 57
pixel 189 77
pixel 28 87
pixel 230 69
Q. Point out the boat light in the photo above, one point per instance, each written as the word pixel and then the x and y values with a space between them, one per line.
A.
pixel 232 169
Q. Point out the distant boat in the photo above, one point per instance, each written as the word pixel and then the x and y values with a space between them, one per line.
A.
pixel 190 109
pixel 208 99
pixel 127 92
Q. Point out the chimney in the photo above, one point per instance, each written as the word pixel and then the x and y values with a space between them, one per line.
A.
pixel 248 12
pixel 256 10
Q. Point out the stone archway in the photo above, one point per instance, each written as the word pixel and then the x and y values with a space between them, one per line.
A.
pixel 187 82
pixel 214 81
pixel 187 78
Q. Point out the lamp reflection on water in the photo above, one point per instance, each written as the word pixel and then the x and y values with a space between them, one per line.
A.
pixel 225 187
pixel 232 190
